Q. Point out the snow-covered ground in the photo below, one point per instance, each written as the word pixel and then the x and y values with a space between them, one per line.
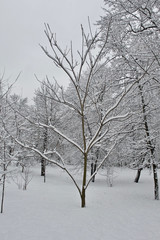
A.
pixel 51 210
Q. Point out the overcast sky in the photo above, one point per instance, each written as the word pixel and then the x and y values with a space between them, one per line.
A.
pixel 22 30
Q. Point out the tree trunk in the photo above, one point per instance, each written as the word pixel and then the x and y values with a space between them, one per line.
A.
pixel 4 179
pixel 43 161
pixel 155 177
pixel 93 169
pixel 136 180
pixel 83 198
pixel 150 145
pixel 3 190
pixel 43 167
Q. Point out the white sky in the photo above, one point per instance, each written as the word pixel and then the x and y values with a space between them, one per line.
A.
pixel 22 29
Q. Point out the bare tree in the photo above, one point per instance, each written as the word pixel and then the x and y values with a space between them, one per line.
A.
pixel 91 61
pixel 5 142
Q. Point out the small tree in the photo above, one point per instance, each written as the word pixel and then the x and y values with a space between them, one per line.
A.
pixel 6 156
pixel 91 61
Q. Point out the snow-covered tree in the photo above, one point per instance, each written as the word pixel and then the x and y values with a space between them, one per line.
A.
pixel 84 101
pixel 135 38
pixel 45 109
pixel 6 144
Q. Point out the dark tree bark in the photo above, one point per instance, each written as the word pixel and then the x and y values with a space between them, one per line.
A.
pixel 136 180
pixel 149 145
pixel 43 167
pixel 43 161
pixel 3 179
pixel 156 185
pixel 83 195
pixel 3 191
pixel 93 169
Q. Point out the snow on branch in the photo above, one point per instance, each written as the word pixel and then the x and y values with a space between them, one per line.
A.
pixel 43 155
pixel 57 153
pixel 52 93
pixel 100 165
pixel 50 160
pixel 50 126
pixel 111 109
pixel 118 117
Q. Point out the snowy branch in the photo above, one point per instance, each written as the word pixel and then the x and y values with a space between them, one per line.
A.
pixel 100 165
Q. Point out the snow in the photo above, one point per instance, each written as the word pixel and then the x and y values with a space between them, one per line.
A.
pixel 51 210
